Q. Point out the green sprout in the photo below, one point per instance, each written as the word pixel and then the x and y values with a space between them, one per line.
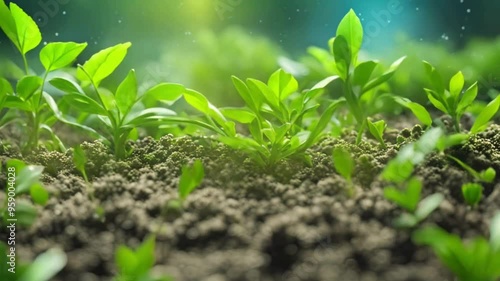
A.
pixel 452 101
pixel 344 165
pixel 472 193
pixel 274 116
pixel 136 265
pixel 29 95
pixel 487 176
pixel 477 260
pixel 121 113
pixel 191 178
pixel 377 130
pixel 359 79
pixel 80 159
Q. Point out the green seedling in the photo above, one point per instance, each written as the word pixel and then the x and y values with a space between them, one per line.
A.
pixel 447 141
pixel 136 265
pixel 274 116
pixel 191 178
pixel 452 101
pixel 23 179
pixel 360 80
pixel 29 95
pixel 121 113
pixel 485 116
pixel 405 189
pixel 476 260
pixel 472 192
pixel 344 165
pixel 80 159
pixel 377 130
pixel 487 176
pixel 44 268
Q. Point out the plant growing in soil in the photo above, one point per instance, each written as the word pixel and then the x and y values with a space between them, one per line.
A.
pixel 406 189
pixel 29 95
pixel 273 116
pixel 191 178
pixel 344 165
pixel 136 265
pixel 359 80
pixel 119 113
pixel 476 260
pixel 23 179
pixel 472 193
pixel 80 159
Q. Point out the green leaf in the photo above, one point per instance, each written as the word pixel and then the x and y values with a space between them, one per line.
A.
pixel 485 116
pixel 343 56
pixel 238 114
pixel 457 84
pixel 145 255
pixel 126 93
pixel 407 199
pixel 435 79
pixel 495 232
pixel 325 82
pixel 437 102
pixel 254 102
pixel 28 34
pixel 488 175
pixel 8 25
pixel 283 84
pixel 27 86
pixel 148 115
pixel 468 98
pixel 384 77
pixel 165 92
pixel 191 178
pixel 25 213
pixel 126 260
pixel 324 120
pixel 377 130
pixel 27 177
pixel 103 63
pixel 363 72
pixel 39 194
pixel 343 162
pixel 428 205
pixel 351 29
pixel 472 193
pixel 85 104
pixel 60 54
pixel 80 160
pixel 5 87
pixel 66 85
pixel 418 110
pixel 259 89
pixel 45 266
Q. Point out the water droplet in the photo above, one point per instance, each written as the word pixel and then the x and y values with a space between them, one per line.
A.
pixel 187 33
pixel 468 11
pixel 64 12
pixel 461 1
pixel 57 34
pixel 298 10
pixel 119 21
pixel 463 27
pixel 45 43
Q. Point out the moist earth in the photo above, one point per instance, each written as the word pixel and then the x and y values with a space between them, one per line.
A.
pixel 291 222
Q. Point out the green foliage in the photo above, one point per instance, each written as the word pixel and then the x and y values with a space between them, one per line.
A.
pixel 191 178
pixel 477 260
pixel 472 192
pixel 344 165
pixel 487 176
pixel 29 95
pixel 485 116
pixel 274 116
pixel 360 81
pixel 452 101
pixel 136 265
pixel 119 113
pixel 377 130
pixel 80 159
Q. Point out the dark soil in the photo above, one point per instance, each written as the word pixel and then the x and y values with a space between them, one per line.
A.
pixel 293 222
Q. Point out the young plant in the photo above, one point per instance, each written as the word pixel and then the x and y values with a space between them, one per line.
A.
pixel 22 179
pixel 136 265
pixel 477 260
pixel 472 192
pixel 405 189
pixel 485 116
pixel 29 95
pixel 486 176
pixel 360 80
pixel 452 101
pixel 80 159
pixel 344 165
pixel 119 114
pixel 191 178
pixel 377 130
pixel 274 116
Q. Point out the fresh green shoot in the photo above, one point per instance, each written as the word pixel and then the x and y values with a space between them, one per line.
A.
pixel 487 176
pixel 119 113
pixel 405 189
pixel 274 115
pixel 136 265
pixel 344 165
pixel 29 95
pixel 80 159
pixel 477 260
pixel 485 116
pixel 447 141
pixel 417 109
pixel 191 178
pixel 377 130
pixel 23 179
pixel 472 193
pixel 358 79
pixel 452 101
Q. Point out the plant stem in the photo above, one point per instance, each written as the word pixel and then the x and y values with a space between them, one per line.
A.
pixel 25 61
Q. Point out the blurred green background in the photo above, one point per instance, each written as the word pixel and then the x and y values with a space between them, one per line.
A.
pixel 200 43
